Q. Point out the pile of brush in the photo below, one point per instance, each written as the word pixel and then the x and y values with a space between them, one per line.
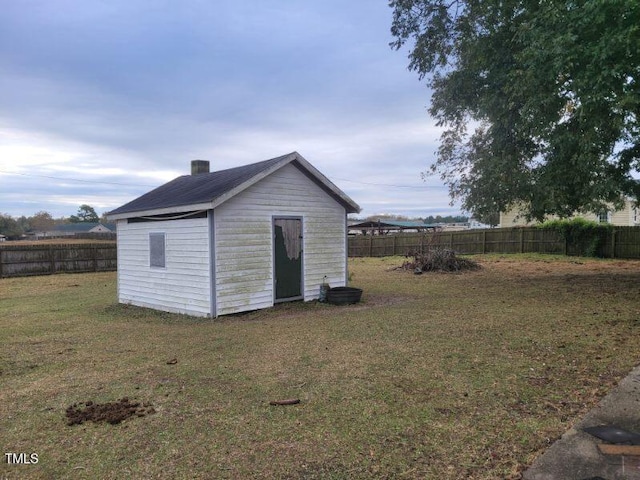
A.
pixel 438 260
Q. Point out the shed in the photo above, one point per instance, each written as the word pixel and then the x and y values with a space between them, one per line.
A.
pixel 245 238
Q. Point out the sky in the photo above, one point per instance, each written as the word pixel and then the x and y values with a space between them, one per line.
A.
pixel 102 101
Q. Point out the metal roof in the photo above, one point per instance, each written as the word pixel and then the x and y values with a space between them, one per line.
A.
pixel 397 224
pixel 207 190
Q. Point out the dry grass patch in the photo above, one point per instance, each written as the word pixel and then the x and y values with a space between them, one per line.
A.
pixel 432 376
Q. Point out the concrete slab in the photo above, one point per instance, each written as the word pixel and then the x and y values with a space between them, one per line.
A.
pixel 576 456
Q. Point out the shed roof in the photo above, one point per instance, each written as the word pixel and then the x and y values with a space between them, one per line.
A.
pixel 208 190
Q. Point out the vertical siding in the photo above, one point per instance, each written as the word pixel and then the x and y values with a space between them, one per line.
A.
pixel 510 219
pixel 244 241
pixel 183 286
pixel 624 217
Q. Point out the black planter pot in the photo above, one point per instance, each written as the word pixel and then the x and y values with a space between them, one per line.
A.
pixel 344 295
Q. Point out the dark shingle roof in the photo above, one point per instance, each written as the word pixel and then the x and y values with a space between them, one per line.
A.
pixel 207 187
pixel 192 189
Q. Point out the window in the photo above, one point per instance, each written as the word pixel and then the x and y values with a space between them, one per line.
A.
pixel 603 216
pixel 156 250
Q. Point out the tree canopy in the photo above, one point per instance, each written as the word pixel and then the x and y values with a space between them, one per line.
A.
pixel 86 213
pixel 9 226
pixel 539 99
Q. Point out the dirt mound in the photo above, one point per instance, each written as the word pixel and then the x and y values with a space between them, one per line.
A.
pixel 111 412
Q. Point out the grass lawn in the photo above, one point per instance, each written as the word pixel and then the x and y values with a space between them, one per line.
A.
pixel 434 376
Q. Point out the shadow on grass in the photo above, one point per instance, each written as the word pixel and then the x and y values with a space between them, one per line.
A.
pixel 127 312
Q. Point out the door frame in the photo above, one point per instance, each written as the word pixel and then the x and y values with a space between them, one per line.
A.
pixel 273 256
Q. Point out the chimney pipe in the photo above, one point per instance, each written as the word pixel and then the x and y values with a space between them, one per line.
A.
pixel 199 166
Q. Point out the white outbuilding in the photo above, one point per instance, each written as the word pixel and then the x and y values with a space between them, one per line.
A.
pixel 245 238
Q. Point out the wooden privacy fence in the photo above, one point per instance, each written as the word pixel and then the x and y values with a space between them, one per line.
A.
pixel 24 260
pixel 623 242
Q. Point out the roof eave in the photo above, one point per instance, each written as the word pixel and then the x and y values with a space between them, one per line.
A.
pixel 161 211
pixel 348 203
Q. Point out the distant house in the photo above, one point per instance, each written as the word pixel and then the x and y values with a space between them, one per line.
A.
pixel 71 229
pixel 245 238
pixel 3 238
pixel 476 224
pixel 628 216
pixel 383 227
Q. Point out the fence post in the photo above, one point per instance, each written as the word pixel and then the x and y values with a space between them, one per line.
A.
pixel 52 260
pixel 613 243
pixel 95 258
pixel 371 244
pixel 1 262
pixel 394 245
pixel 522 240
pixel 484 242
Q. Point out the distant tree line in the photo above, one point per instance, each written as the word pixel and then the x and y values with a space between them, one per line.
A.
pixel 14 228
pixel 446 219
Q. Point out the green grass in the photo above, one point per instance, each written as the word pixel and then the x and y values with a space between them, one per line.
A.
pixel 432 376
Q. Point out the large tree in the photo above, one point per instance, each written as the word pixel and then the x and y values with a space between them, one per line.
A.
pixel 539 99
pixel 9 226
pixel 41 221
pixel 86 213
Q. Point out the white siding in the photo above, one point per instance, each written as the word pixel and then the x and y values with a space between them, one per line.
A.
pixel 183 286
pixel 244 240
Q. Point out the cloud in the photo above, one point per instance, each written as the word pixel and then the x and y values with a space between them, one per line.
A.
pixel 102 101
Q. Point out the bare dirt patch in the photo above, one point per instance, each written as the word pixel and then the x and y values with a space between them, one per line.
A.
pixel 110 412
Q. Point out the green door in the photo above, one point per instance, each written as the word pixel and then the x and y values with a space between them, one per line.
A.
pixel 287 256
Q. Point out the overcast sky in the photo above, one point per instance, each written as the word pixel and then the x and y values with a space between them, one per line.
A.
pixel 101 101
